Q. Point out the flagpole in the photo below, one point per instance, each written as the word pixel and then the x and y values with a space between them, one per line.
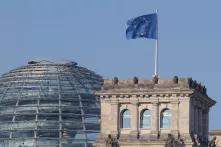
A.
pixel 156 51
pixel 156 58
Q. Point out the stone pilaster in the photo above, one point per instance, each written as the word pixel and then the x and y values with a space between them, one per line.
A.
pixel 184 119
pixel 175 118
pixel 134 120
pixel 155 119
pixel 114 118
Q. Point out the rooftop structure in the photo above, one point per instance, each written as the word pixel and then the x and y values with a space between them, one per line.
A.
pixel 146 113
pixel 176 85
pixel 49 104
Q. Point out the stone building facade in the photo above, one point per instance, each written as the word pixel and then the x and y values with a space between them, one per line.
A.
pixel 142 113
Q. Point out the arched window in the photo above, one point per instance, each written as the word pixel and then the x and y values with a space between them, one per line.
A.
pixel 145 119
pixel 125 119
pixel 165 119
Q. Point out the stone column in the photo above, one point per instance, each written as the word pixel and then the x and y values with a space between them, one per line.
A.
pixel 200 122
pixel 175 117
pixel 155 119
pixel 204 131
pixel 205 123
pixel 195 119
pixel 134 119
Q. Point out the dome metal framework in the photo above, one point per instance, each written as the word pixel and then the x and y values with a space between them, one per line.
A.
pixel 49 104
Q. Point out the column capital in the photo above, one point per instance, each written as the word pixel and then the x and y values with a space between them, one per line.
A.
pixel 196 102
pixel 155 103
pixel 136 103
pixel 175 102
pixel 114 103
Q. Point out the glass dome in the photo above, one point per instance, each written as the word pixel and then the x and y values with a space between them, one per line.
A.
pixel 46 104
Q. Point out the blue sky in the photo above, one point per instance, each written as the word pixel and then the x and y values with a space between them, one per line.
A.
pixel 92 33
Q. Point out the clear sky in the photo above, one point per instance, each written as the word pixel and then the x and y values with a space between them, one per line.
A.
pixel 92 33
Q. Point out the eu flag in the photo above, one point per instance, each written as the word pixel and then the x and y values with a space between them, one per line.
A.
pixel 144 26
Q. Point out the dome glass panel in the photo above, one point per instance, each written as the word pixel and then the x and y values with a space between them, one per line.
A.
pixel 49 104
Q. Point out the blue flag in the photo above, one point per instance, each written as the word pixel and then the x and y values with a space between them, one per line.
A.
pixel 144 26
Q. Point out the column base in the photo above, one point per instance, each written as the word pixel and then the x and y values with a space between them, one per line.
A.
pixel 154 135
pixel 175 133
pixel 134 135
pixel 145 140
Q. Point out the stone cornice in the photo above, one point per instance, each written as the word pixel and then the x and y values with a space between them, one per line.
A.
pixel 204 99
pixel 135 85
pixel 179 88
pixel 145 94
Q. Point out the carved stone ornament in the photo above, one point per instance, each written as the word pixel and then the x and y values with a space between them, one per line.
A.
pixel 115 81
pixel 212 143
pixel 111 141
pixel 190 82
pixel 155 79
pixel 135 80
pixel 196 140
pixel 172 142
pixel 175 79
